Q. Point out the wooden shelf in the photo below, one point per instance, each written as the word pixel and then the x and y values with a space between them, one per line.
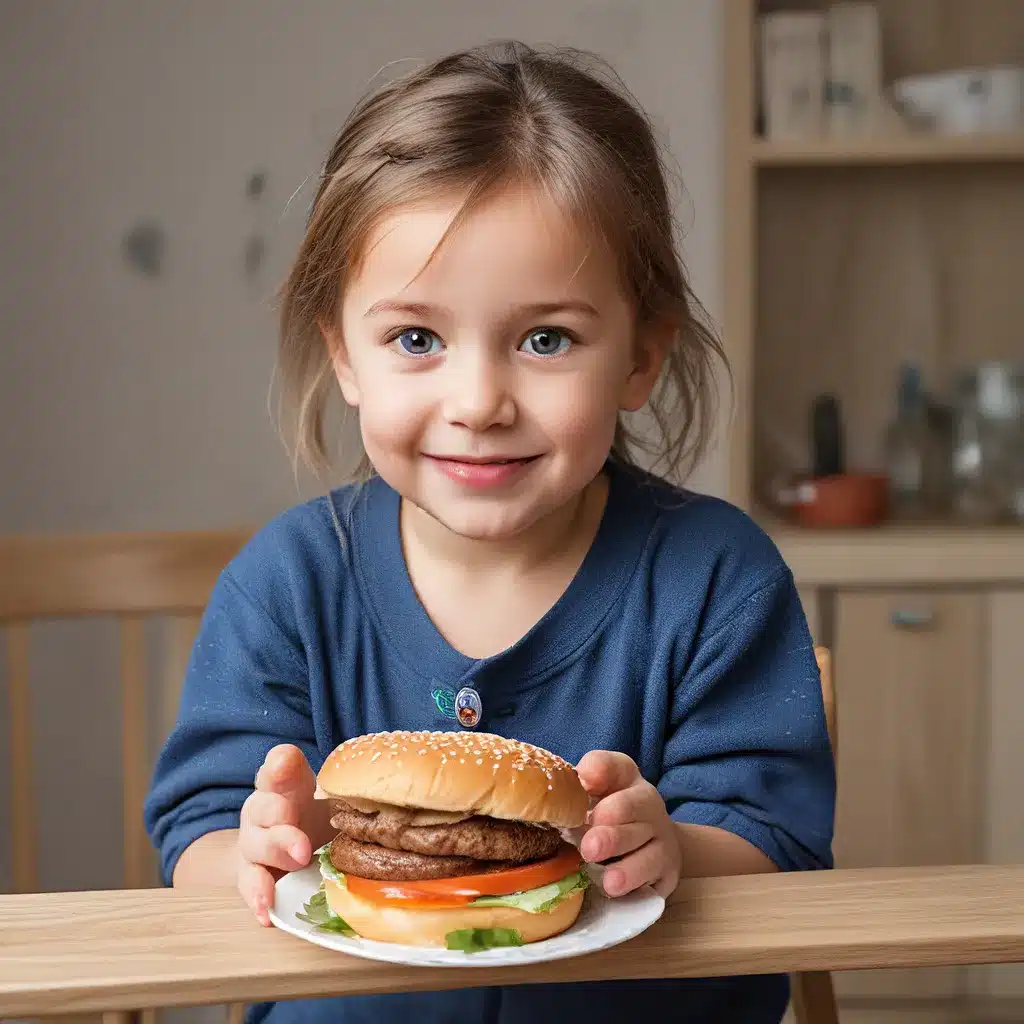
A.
pixel 888 151
pixel 899 554
pixel 124 950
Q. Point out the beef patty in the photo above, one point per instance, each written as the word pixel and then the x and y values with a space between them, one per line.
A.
pixel 478 838
pixel 368 860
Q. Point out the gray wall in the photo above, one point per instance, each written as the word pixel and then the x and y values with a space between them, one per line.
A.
pixel 130 403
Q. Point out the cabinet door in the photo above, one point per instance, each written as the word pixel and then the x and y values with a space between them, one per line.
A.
pixel 910 681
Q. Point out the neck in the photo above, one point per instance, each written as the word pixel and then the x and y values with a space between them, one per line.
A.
pixel 554 538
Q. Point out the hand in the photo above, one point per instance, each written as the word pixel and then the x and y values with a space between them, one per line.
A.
pixel 629 821
pixel 274 834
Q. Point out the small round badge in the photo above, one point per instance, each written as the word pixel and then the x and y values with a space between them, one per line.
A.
pixel 468 707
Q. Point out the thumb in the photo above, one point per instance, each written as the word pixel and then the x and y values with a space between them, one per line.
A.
pixel 606 771
pixel 286 771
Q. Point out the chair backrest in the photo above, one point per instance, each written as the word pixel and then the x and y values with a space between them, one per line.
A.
pixel 131 577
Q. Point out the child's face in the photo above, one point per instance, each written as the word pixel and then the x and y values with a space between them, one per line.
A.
pixel 516 341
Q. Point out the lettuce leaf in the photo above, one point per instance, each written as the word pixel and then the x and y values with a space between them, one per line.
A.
pixel 321 916
pixel 476 940
pixel 540 900
pixel 327 869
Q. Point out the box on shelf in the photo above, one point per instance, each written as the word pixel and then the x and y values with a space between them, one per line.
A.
pixel 793 73
pixel 854 100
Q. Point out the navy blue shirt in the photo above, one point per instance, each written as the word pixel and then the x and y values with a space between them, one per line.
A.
pixel 681 641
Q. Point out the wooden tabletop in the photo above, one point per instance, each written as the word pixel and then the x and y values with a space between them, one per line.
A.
pixel 89 951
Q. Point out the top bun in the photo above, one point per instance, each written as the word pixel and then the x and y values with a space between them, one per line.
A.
pixel 467 772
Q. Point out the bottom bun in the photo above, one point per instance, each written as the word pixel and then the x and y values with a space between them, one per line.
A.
pixel 416 927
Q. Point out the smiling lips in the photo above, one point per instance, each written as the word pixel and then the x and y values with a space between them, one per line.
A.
pixel 480 472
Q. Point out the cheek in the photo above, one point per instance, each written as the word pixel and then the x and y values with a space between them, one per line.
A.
pixel 584 413
pixel 390 417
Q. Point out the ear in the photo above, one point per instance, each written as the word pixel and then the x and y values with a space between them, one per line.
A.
pixel 339 360
pixel 650 349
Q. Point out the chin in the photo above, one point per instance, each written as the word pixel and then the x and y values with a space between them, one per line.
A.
pixel 449 839
pixel 487 521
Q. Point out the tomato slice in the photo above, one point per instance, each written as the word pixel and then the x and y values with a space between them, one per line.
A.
pixel 437 893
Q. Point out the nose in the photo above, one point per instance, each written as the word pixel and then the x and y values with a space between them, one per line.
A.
pixel 479 393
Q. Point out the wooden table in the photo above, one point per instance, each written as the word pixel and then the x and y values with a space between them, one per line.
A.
pixel 87 951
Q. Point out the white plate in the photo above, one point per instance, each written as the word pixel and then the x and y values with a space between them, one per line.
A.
pixel 603 922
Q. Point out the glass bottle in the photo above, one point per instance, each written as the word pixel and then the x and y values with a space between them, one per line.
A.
pixel 912 452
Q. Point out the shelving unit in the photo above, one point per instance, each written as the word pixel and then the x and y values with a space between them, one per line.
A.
pixel 843 258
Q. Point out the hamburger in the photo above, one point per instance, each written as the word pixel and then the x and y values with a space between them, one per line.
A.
pixel 449 839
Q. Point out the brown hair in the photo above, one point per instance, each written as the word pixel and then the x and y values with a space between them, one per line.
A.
pixel 471 121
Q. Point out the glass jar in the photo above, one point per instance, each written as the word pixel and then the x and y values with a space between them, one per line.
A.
pixel 988 443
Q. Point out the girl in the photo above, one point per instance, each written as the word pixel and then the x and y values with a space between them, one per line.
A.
pixel 489 277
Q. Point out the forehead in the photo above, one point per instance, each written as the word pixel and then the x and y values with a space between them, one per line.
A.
pixel 515 245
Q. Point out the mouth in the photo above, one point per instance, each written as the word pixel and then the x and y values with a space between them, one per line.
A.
pixel 483 471
pixel 485 460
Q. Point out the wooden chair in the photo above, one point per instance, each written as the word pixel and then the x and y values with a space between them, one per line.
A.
pixel 131 578
pixel 813 997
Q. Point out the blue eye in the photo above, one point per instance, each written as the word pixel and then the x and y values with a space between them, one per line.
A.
pixel 546 341
pixel 415 341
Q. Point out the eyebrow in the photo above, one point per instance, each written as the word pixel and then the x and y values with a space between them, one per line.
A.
pixel 426 309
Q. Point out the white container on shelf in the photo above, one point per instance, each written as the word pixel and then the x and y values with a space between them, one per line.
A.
pixel 965 102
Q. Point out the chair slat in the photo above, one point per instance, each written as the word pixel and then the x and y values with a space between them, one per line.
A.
pixel 181 637
pixel 134 749
pixel 813 994
pixel 23 800
pixel 823 656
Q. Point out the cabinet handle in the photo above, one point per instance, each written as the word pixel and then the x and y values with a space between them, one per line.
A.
pixel 912 618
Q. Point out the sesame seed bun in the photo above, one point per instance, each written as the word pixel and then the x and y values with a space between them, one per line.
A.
pixel 460 772
pixel 424 927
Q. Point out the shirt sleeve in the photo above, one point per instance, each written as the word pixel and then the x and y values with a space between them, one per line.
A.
pixel 748 748
pixel 245 690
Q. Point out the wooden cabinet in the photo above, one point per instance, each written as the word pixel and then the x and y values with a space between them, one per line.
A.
pixel 911 683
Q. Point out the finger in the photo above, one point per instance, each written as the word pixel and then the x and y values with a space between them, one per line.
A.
pixel 281 846
pixel 666 885
pixel 264 809
pixel 638 803
pixel 574 835
pixel 606 771
pixel 285 770
pixel 256 885
pixel 642 867
pixel 603 842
